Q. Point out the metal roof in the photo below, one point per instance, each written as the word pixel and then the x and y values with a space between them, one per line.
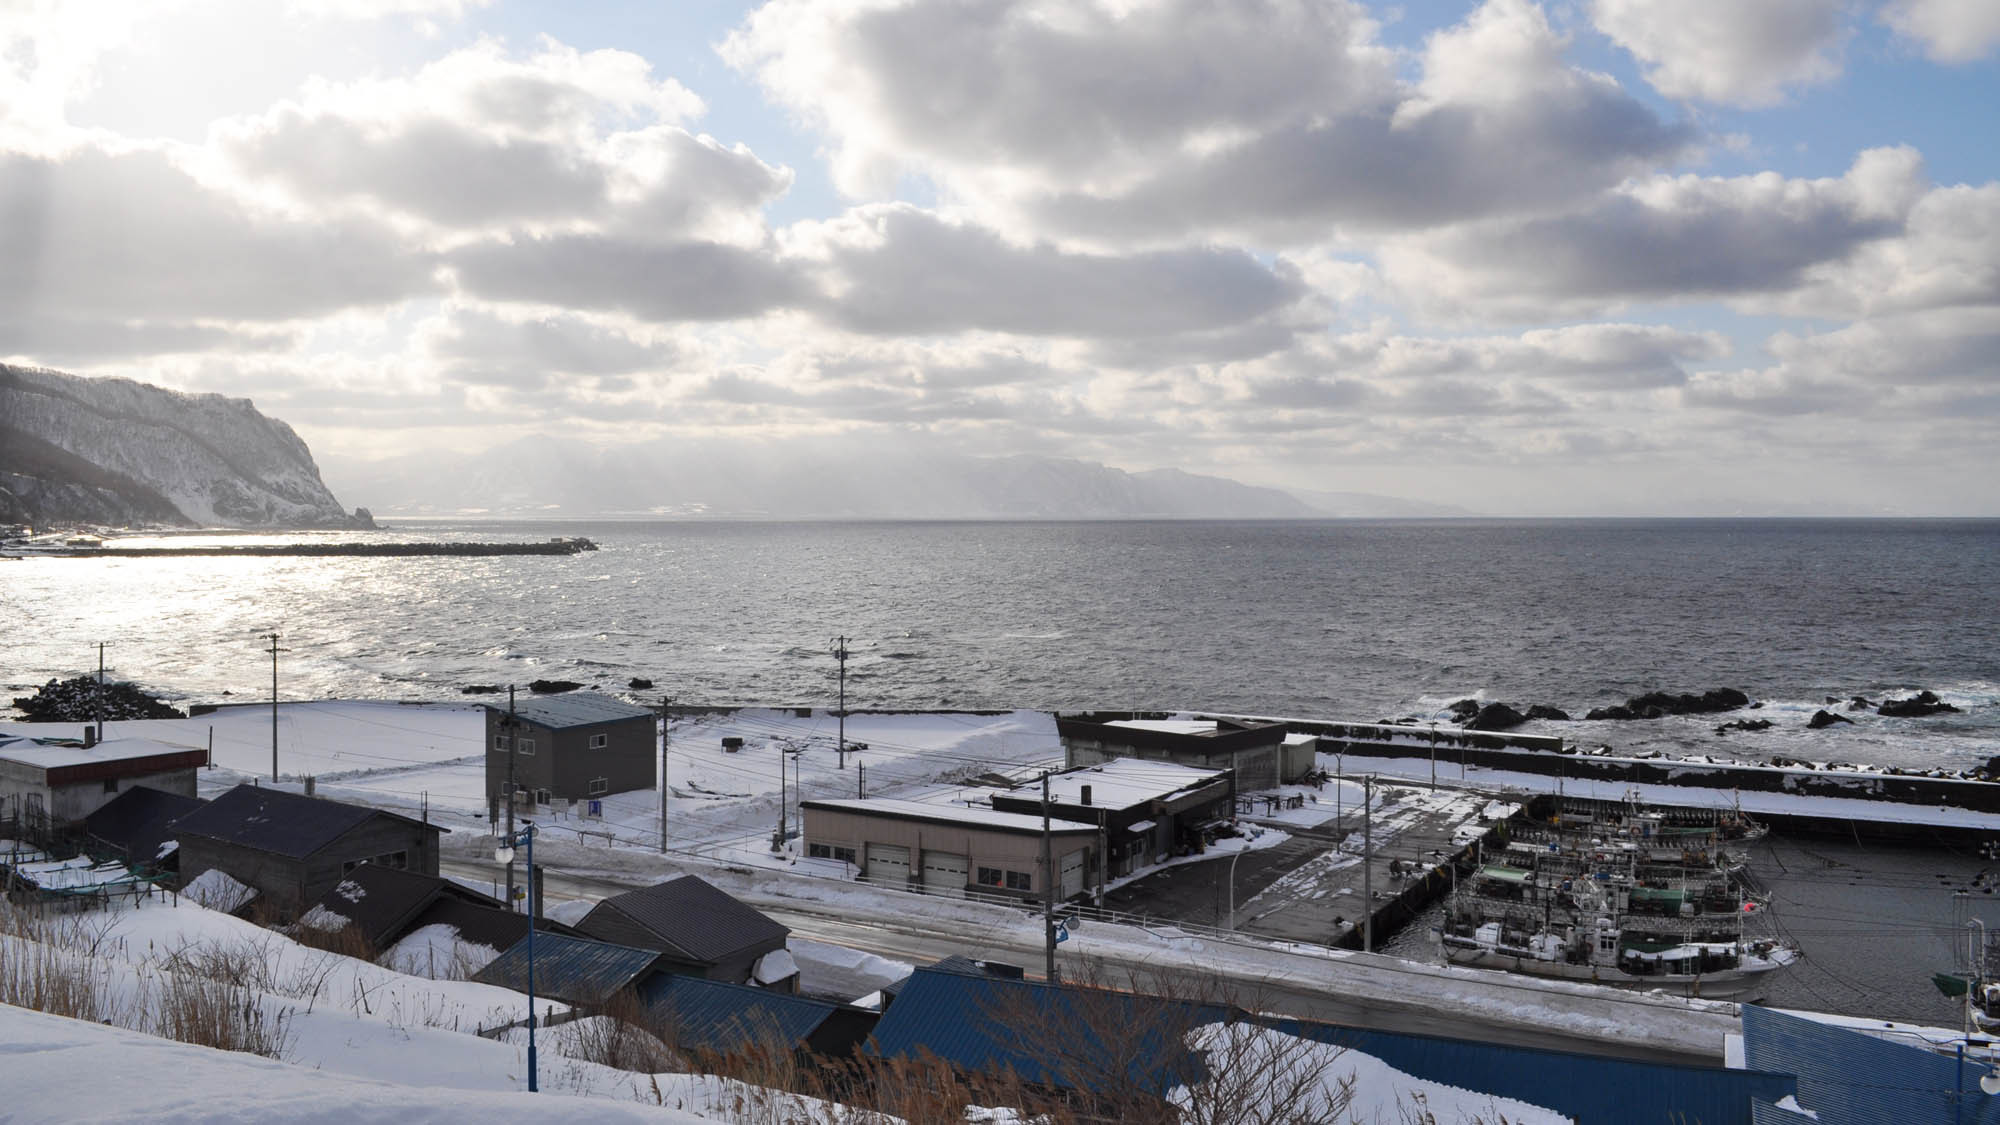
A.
pixel 574 709
pixel 570 969
pixel 381 901
pixel 272 820
pixel 714 1015
pixel 694 918
pixel 139 820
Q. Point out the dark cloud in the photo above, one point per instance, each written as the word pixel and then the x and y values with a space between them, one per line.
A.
pixel 665 281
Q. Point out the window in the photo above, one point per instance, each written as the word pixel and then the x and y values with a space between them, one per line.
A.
pixel 501 740
pixel 527 745
pixel 845 855
pixel 600 786
pixel 541 796
pixel 111 785
pixel 599 741
pixel 830 851
pixel 398 860
pixel 990 877
pixel 1019 881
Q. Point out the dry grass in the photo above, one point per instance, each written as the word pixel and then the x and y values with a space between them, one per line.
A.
pixel 226 1015
pixel 52 979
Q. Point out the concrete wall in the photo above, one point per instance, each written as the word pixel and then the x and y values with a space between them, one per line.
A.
pixel 982 847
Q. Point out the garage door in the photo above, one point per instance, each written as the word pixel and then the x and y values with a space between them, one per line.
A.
pixel 1072 874
pixel 887 865
pixel 946 874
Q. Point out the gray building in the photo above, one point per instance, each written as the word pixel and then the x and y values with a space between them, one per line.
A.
pixel 1146 812
pixel 1254 750
pixel 947 849
pixel 291 849
pixel 702 931
pixel 573 746
pixel 51 785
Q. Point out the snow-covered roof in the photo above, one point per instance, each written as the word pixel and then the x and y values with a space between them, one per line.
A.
pixel 1123 782
pixel 1167 726
pixel 51 754
pixel 971 816
pixel 575 709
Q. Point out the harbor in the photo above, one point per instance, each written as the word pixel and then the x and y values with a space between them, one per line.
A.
pixel 559 546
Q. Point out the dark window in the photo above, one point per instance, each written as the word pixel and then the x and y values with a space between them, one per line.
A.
pixel 600 786
pixel 818 851
pixel 990 877
pixel 599 741
pixel 541 796
pixel 845 855
pixel 500 741
pixel 1019 881
pixel 111 785
pixel 527 745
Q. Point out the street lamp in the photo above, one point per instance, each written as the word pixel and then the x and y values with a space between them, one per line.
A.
pixel 1232 887
pixel 525 839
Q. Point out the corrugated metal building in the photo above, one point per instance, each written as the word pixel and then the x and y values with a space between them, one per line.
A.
pixel 699 929
pixel 574 970
pixel 1847 1078
pixel 697 1014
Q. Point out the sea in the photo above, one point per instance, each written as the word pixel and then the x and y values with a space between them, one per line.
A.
pixel 1355 620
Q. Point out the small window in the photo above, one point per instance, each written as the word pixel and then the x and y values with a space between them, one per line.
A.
pixel 111 785
pixel 845 855
pixel 501 741
pixel 541 796
pixel 1019 881
pixel 600 786
pixel 599 741
pixel 818 851
pixel 991 877
pixel 527 745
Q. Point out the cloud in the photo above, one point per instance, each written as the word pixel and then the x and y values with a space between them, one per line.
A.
pixel 1950 31
pixel 896 269
pixel 1743 52
pixel 1668 238
pixel 1163 121
pixel 657 281
pixel 131 237
pixel 481 346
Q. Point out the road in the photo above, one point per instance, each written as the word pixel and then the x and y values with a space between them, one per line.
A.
pixel 1350 989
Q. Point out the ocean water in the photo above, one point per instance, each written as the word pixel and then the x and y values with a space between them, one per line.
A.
pixel 1341 619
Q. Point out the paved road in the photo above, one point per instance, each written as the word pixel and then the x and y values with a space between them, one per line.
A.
pixel 1354 989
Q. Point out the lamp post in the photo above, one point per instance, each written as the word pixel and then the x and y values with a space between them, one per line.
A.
pixel 525 838
pixel 1232 887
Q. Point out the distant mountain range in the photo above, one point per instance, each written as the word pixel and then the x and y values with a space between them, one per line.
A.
pixel 793 480
pixel 119 453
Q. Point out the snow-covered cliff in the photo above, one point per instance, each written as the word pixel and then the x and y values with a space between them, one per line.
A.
pixel 115 451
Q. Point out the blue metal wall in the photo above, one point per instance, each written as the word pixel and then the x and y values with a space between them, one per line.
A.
pixel 1852 1079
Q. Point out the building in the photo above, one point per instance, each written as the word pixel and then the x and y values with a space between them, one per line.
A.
pixel 950 849
pixel 294 849
pixel 571 747
pixel 1145 811
pixel 1255 751
pixel 383 905
pixel 574 970
pixel 702 931
pixel 716 1021
pixel 136 826
pixel 51 785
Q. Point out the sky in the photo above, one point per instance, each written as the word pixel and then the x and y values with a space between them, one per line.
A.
pixel 1582 257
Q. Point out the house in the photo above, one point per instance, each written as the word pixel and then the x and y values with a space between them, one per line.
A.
pixel 703 932
pixel 575 970
pixel 136 826
pixel 1145 811
pixel 383 905
pixel 1255 751
pixel 294 849
pixel 712 1018
pixel 570 747
pixel 50 785
pixel 950 849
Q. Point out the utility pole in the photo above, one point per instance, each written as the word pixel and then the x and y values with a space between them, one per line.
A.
pixel 840 654
pixel 1368 864
pixel 513 737
pixel 275 650
pixel 1434 756
pixel 778 838
pixel 860 789
pixel 1048 886
pixel 98 707
pixel 666 719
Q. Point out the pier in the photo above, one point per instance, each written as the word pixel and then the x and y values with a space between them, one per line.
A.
pixel 571 545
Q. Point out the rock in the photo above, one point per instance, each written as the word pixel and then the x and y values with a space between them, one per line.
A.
pixel 479 689
pixel 365 519
pixel 1831 700
pixel 1464 709
pixel 1656 704
pixel 1496 716
pixel 1921 704
pixel 1744 724
pixel 82 699
pixel 638 684
pixel 1823 719
pixel 1544 711
pixel 553 687
pixel 1859 703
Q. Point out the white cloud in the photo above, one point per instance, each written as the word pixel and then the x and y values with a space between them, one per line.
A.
pixel 1951 31
pixel 1740 52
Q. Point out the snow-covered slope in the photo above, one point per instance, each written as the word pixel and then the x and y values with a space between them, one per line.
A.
pixel 215 460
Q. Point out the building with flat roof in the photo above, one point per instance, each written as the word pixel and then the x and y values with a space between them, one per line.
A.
pixel 950 849
pixel 1145 811
pixel 1255 751
pixel 573 747
pixel 51 785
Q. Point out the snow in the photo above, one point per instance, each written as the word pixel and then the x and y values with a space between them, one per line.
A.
pixel 773 967
pixel 976 815
pixel 133 1077
pixel 1305 1079
pixel 215 890
pixel 1791 1102
pixel 43 755
pixel 439 953
pixel 1124 782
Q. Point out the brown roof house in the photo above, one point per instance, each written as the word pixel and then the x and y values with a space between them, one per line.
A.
pixel 50 785
pixel 703 932
pixel 292 849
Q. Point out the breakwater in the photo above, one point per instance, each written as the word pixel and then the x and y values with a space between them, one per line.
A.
pixel 561 546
